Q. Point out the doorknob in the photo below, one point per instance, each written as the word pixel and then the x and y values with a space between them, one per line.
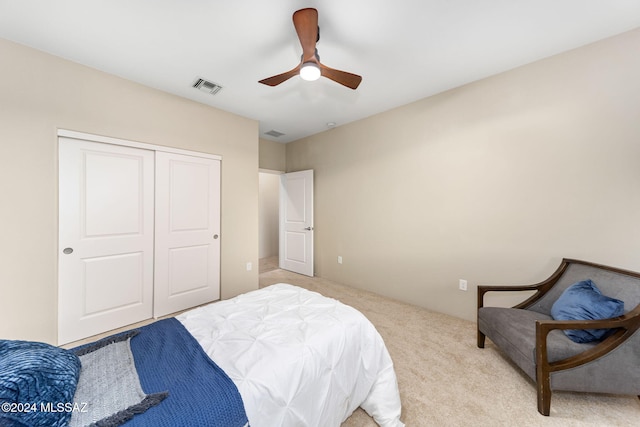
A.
pixel 309 228
pixel 67 251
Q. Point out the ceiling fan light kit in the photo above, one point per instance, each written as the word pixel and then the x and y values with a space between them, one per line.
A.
pixel 310 68
pixel 310 71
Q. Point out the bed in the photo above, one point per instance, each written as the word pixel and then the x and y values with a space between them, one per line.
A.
pixel 278 356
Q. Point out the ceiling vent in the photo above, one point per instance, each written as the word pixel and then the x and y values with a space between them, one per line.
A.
pixel 206 86
pixel 274 133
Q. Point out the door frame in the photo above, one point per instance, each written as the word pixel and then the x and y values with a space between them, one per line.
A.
pixel 135 144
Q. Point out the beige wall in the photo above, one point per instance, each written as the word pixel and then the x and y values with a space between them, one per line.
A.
pixel 493 182
pixel 272 155
pixel 39 94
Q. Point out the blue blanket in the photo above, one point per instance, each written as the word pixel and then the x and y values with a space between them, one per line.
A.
pixel 34 375
pixel 168 358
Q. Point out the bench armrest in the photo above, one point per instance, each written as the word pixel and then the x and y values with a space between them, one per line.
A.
pixel 624 326
pixel 483 289
pixel 539 288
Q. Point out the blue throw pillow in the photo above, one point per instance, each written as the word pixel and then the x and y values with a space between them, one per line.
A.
pixel 584 301
pixel 34 379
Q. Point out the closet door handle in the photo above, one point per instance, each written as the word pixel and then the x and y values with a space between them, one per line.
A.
pixel 215 236
pixel 67 251
pixel 309 228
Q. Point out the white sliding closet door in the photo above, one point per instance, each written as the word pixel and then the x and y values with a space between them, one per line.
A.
pixel 106 212
pixel 139 232
pixel 187 248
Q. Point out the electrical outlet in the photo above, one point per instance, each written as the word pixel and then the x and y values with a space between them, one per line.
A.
pixel 462 285
pixel 249 266
pixel 339 259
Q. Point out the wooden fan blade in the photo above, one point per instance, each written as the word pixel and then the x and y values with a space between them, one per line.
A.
pixel 349 80
pixel 306 23
pixel 276 80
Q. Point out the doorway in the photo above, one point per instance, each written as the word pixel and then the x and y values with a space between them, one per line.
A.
pixel 269 210
pixel 286 221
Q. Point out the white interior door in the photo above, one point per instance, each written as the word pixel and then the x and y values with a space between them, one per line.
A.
pixel 106 231
pixel 187 255
pixel 296 222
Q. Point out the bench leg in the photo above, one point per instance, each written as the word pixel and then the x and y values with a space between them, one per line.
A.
pixel 481 337
pixel 544 396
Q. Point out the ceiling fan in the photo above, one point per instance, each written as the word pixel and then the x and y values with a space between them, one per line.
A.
pixel 310 68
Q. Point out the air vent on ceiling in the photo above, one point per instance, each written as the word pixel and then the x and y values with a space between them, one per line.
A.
pixel 207 86
pixel 274 133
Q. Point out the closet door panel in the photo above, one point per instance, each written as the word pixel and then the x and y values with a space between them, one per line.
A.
pixel 105 268
pixel 187 249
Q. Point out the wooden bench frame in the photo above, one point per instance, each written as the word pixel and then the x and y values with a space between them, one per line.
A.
pixel 626 325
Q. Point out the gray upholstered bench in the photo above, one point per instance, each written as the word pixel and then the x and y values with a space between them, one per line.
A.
pixel 536 343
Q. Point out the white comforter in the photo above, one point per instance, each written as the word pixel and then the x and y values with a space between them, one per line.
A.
pixel 298 358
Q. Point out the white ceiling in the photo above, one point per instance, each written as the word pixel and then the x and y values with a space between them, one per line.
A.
pixel 404 49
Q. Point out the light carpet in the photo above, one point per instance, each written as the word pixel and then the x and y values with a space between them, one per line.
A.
pixel 446 380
